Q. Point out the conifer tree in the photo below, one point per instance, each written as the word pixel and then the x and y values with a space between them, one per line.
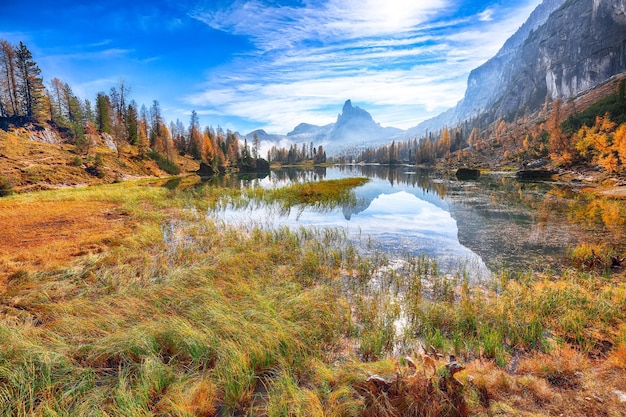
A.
pixel 103 113
pixel 132 123
pixel 195 137
pixel 30 84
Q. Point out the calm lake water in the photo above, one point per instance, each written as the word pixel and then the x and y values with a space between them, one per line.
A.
pixel 485 224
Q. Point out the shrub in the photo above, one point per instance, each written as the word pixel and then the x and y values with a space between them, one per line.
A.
pixel 5 187
pixel 165 164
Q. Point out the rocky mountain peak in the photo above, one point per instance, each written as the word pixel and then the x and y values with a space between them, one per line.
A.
pixel 350 112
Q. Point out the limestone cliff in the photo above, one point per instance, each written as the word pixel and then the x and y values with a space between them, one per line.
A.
pixel 565 48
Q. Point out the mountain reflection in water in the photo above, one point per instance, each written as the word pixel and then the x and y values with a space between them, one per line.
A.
pixel 490 223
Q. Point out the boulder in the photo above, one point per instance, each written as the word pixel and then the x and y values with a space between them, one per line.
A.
pixel 464 174
pixel 535 174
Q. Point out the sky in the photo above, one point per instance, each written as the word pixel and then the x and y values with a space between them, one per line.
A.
pixel 268 64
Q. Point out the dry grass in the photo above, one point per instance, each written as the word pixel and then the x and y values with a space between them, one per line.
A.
pixel 50 234
pixel 174 314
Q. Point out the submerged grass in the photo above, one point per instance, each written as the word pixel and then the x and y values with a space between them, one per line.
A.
pixel 183 316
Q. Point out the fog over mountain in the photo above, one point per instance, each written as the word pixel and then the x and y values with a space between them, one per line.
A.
pixel 566 47
pixel 354 129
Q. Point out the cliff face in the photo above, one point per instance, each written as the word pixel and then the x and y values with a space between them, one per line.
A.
pixel 485 83
pixel 565 48
pixel 581 45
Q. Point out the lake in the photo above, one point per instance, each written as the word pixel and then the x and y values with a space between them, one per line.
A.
pixel 485 225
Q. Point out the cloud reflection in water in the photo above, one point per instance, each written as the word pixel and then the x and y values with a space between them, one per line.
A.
pixel 395 222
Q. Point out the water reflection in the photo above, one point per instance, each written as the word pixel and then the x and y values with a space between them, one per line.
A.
pixel 493 222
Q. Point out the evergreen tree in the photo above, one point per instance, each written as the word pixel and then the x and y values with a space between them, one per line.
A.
pixel 155 122
pixel 195 137
pixel 30 84
pixel 103 113
pixel 132 123
pixel 89 116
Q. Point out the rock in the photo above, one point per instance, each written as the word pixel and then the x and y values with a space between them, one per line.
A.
pixel 454 367
pixel 464 174
pixel 205 170
pixel 108 141
pixel 534 174
pixel 44 135
pixel 565 48
pixel 377 384
pixel 538 163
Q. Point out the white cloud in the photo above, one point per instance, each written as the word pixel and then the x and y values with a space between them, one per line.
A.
pixel 403 58
pixel 486 15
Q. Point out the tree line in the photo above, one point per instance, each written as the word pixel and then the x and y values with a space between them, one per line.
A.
pixel 596 136
pixel 296 155
pixel 114 117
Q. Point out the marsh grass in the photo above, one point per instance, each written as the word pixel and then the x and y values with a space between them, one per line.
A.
pixel 182 315
pixel 320 195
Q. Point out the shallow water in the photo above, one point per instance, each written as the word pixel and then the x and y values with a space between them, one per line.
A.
pixel 485 224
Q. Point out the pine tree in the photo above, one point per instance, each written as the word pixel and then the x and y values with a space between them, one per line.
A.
pixel 195 137
pixel 155 122
pixel 30 84
pixel 132 123
pixel 103 113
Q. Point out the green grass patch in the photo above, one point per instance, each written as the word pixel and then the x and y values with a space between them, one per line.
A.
pixel 164 163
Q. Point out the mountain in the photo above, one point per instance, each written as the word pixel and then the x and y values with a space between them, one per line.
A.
pixel 354 129
pixel 565 48
pixel 262 135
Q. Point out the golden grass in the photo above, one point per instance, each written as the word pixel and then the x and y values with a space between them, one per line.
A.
pixel 48 235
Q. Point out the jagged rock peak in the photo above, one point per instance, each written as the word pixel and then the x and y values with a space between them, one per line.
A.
pixel 352 112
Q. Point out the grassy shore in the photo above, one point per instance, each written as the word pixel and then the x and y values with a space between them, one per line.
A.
pixel 152 308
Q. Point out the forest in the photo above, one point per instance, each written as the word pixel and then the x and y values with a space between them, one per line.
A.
pixel 593 137
pixel 114 117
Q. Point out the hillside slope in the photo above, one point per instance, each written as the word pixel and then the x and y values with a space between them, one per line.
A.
pixel 37 158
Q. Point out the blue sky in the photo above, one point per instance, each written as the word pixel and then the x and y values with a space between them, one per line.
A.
pixel 248 64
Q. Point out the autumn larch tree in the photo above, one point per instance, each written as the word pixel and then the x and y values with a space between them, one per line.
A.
pixel 9 82
pixel 559 145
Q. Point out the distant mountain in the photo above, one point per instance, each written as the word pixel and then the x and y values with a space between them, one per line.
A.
pixel 355 126
pixel 565 48
pixel 354 129
pixel 262 135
